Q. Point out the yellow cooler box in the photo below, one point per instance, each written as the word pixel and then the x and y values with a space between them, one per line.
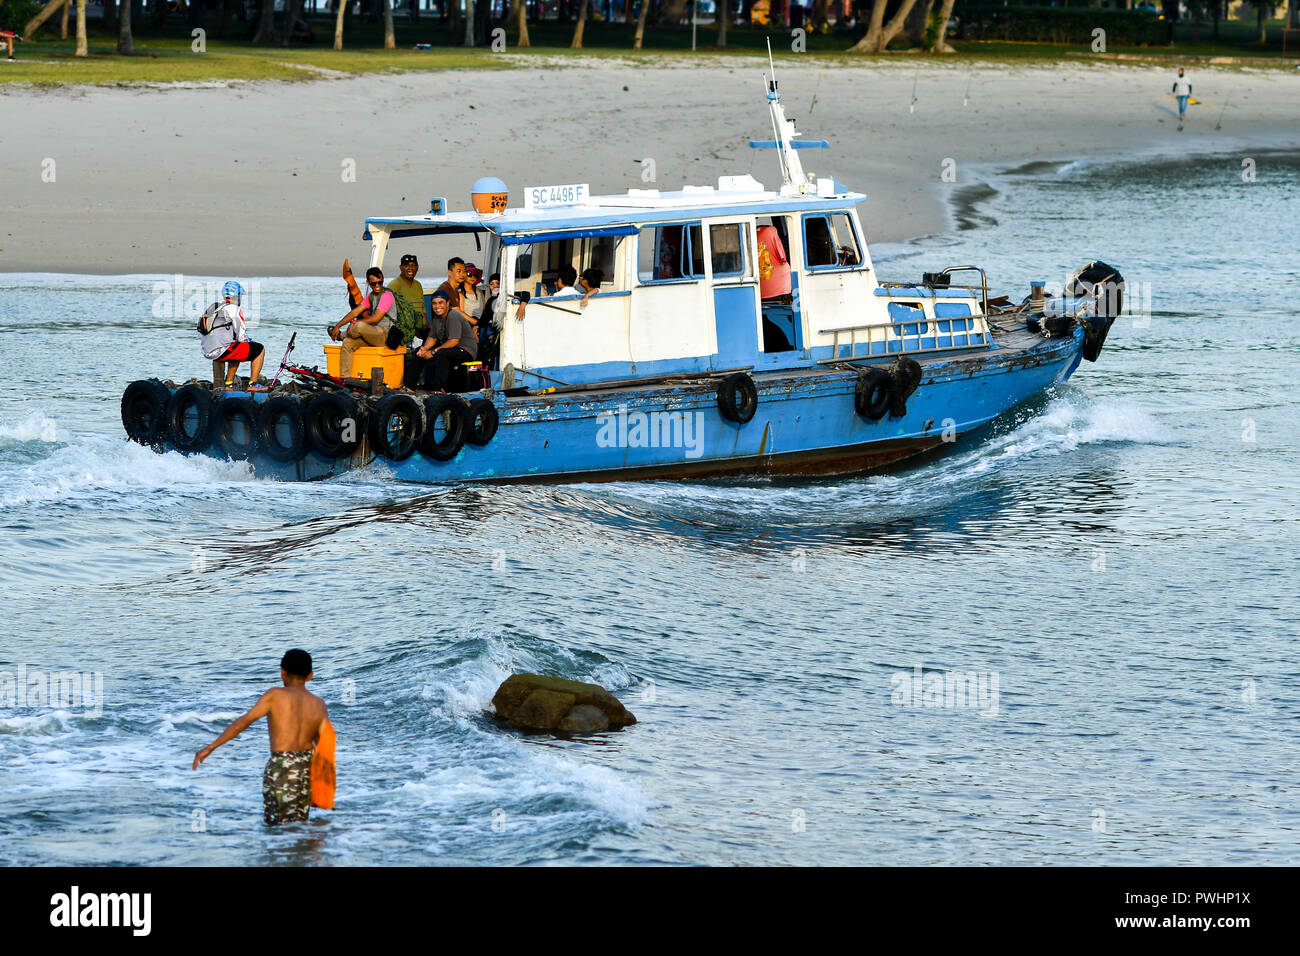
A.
pixel 392 361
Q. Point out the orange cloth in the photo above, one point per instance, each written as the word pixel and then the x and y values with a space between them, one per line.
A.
pixel 322 769
pixel 778 283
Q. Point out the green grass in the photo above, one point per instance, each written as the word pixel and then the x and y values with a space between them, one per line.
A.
pixel 164 58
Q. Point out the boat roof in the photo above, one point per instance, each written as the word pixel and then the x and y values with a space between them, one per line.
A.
pixel 734 195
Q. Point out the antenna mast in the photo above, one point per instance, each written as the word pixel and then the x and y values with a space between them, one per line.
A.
pixel 795 182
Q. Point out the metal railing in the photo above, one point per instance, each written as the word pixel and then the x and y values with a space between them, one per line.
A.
pixel 904 343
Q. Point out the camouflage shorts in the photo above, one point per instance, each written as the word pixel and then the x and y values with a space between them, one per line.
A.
pixel 286 787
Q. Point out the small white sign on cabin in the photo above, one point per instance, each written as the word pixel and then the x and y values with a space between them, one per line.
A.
pixel 540 197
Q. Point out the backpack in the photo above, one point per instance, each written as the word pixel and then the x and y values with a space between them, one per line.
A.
pixel 216 337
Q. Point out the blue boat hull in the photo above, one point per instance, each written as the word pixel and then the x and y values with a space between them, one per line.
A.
pixel 805 424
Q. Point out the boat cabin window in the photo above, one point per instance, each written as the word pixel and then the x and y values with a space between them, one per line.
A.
pixel 670 253
pixel 726 249
pixel 538 264
pixel 829 241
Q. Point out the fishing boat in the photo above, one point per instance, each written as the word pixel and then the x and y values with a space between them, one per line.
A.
pixel 736 329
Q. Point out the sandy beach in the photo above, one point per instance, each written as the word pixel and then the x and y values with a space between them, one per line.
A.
pixel 250 178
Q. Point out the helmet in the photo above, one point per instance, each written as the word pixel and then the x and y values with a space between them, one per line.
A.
pixel 231 290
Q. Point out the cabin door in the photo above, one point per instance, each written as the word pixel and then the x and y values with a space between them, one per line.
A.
pixel 735 294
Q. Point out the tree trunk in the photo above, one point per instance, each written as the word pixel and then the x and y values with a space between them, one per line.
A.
pixel 1259 15
pixel 819 16
pixel 125 41
pixel 338 24
pixel 723 12
pixel 941 37
pixel 82 49
pixel 469 22
pixel 919 21
pixel 519 13
pixel 63 23
pixel 870 43
pixel 578 29
pixel 640 24
pixel 390 38
pixel 895 25
pixel 47 11
pixel 292 11
pixel 670 12
pixel 266 25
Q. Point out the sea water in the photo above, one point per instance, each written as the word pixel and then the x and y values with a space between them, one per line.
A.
pixel 1068 639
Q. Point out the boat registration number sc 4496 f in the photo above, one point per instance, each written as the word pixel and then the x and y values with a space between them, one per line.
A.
pixel 539 197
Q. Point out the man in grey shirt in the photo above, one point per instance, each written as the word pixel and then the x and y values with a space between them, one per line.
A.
pixel 451 341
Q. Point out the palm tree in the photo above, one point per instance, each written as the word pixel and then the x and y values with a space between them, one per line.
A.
pixel 519 14
pixel 125 41
pixel 880 36
pixel 266 24
pixel 723 12
pixel 469 23
pixel 640 24
pixel 580 27
pixel 941 37
pixel 338 24
pixel 50 9
pixel 293 10
pixel 82 49
pixel 390 40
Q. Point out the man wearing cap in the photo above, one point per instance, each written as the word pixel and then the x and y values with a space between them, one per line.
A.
pixel 410 290
pixel 451 341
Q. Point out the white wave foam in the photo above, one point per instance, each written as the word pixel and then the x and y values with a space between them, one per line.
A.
pixel 94 466
pixel 35 427
pixel 45 724
pixel 171 721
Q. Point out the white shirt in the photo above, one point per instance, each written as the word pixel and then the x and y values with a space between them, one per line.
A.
pixel 1182 86
pixel 235 316
pixel 567 292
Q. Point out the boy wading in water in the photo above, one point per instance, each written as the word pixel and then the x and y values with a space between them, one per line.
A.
pixel 294 718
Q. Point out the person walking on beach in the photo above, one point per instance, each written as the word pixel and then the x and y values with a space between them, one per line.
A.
pixel 294 718
pixel 1183 91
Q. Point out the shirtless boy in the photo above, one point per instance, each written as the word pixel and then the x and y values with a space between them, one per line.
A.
pixel 294 718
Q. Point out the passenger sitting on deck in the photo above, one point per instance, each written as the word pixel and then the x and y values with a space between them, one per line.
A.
pixel 371 331
pixel 451 342
pixel 564 283
pixel 225 339
pixel 589 284
pixel 406 285
pixel 471 292
pixel 454 287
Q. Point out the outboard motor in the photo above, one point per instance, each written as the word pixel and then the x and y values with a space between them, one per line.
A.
pixel 1105 286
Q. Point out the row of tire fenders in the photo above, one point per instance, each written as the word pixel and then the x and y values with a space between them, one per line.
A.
pixel 287 426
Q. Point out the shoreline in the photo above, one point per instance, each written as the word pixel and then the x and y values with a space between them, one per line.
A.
pixel 253 181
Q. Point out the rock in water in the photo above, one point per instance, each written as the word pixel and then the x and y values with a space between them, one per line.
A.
pixel 534 702
pixel 584 719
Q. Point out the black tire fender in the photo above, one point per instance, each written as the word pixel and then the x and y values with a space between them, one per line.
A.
pixel 185 399
pixel 448 446
pixel 277 410
pixel 326 419
pixel 874 393
pixel 737 398
pixel 144 411
pixel 228 412
pixel 906 374
pixel 396 427
pixel 483 420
